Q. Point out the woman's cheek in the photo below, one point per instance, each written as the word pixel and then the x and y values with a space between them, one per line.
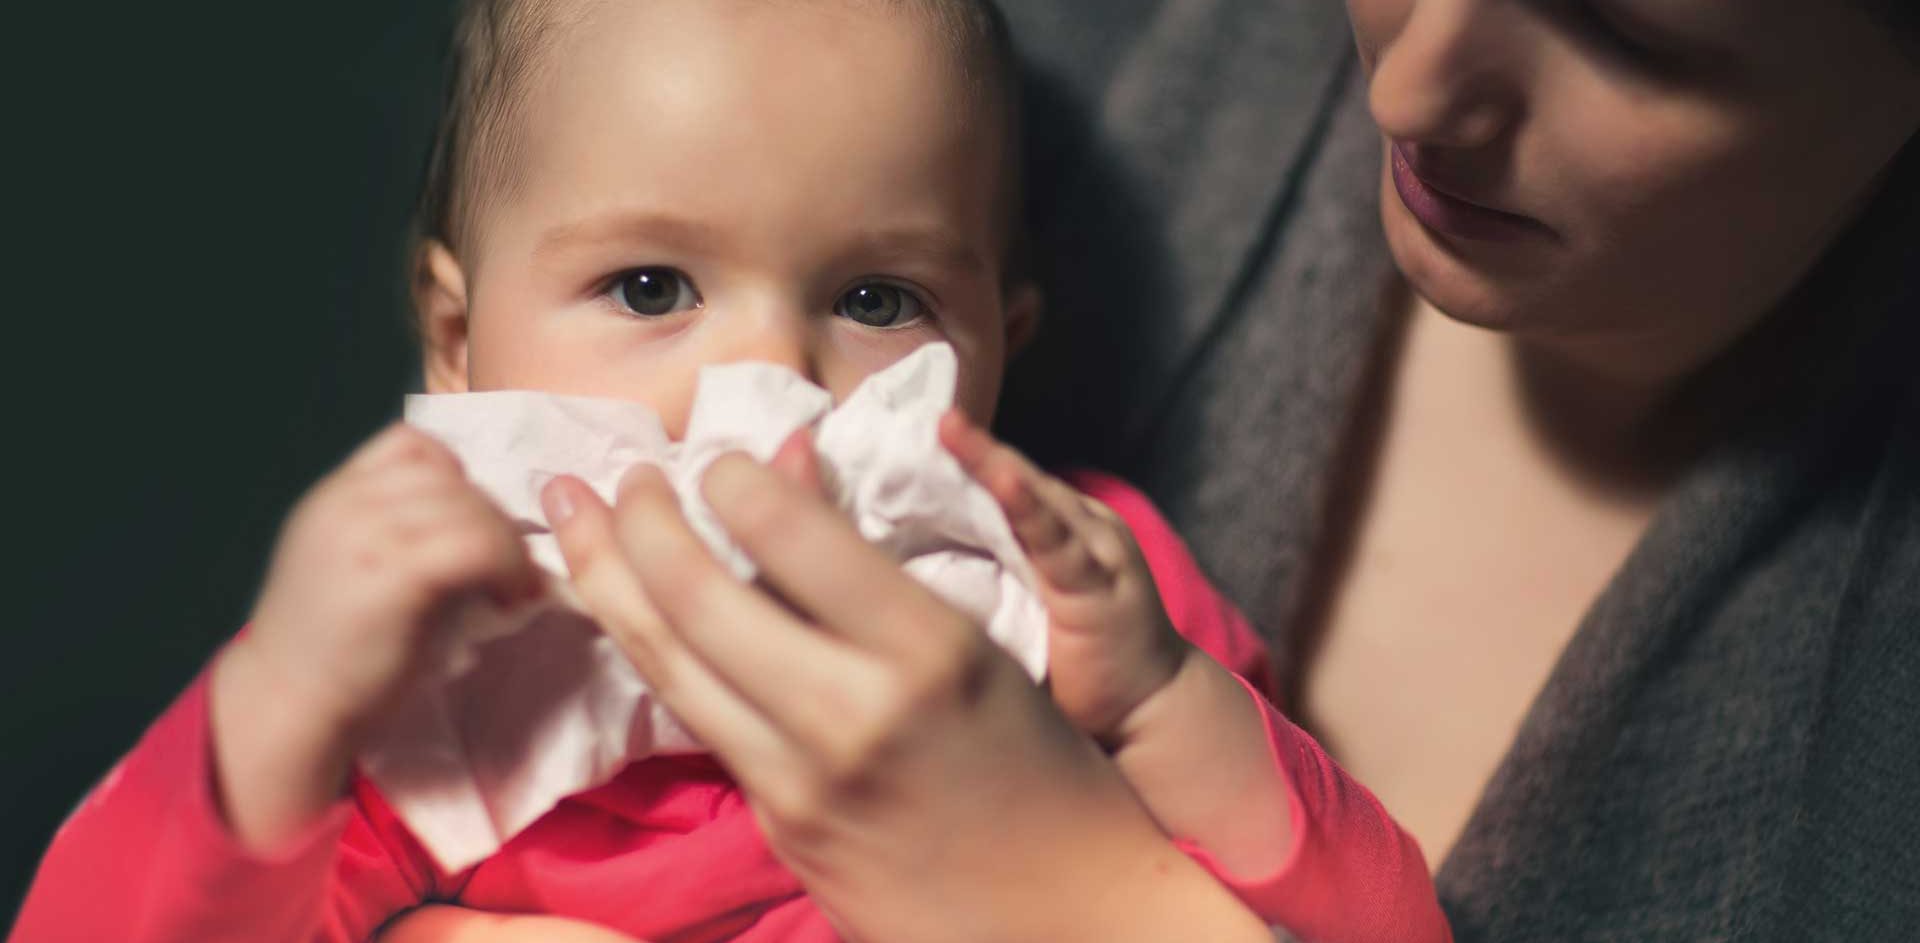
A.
pixel 1627 167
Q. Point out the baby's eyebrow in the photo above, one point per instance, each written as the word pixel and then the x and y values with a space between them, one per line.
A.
pixel 933 246
pixel 657 227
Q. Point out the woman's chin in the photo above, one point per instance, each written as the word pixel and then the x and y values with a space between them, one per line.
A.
pixel 1440 275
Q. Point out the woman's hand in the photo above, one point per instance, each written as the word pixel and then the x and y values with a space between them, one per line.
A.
pixel 905 768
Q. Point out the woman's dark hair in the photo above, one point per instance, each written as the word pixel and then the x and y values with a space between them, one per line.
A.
pixel 1902 17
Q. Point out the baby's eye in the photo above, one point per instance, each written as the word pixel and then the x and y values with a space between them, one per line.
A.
pixel 878 304
pixel 652 292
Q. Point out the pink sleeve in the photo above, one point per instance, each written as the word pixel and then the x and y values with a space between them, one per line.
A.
pixel 148 858
pixel 1351 872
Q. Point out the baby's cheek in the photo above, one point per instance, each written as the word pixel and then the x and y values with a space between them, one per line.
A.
pixel 978 396
pixel 980 355
pixel 850 354
pixel 981 374
pixel 659 375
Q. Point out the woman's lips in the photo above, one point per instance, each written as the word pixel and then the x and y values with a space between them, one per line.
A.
pixel 1449 215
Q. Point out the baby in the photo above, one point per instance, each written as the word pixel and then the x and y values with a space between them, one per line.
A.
pixel 626 191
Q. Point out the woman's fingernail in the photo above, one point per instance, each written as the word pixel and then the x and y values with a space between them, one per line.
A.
pixel 721 483
pixel 644 471
pixel 557 503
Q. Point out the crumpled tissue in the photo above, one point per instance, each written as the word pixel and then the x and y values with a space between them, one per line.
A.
pixel 529 706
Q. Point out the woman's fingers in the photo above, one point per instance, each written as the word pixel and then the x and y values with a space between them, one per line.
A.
pixel 811 555
pixel 797 460
pixel 1050 519
pixel 793 678
pixel 803 680
pixel 583 526
pixel 610 587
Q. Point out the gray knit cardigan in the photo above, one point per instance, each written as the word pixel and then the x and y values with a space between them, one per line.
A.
pixel 1729 748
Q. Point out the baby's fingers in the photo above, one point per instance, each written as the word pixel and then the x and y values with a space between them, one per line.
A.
pixel 1049 517
pixel 400 444
pixel 463 542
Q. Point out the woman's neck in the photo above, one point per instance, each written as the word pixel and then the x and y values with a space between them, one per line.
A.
pixel 1619 435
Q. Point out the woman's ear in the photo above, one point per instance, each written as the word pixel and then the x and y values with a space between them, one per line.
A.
pixel 440 304
pixel 1024 306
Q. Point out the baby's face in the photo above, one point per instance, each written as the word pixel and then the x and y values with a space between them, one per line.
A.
pixel 705 181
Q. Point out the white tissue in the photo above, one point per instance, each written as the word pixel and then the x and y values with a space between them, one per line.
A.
pixel 531 706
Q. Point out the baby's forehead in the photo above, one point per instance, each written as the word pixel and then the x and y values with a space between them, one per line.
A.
pixel 551 34
pixel 962 42
pixel 735 112
pixel 517 57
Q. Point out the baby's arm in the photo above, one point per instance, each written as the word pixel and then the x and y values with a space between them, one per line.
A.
pixel 148 857
pixel 228 820
pixel 369 564
pixel 1248 793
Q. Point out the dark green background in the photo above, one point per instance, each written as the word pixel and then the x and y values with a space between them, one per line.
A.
pixel 206 205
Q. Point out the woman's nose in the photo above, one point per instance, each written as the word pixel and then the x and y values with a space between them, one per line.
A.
pixel 1451 76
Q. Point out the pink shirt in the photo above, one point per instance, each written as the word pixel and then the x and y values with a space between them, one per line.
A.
pixel 667 852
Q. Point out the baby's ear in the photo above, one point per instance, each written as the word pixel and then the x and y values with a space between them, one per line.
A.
pixel 440 305
pixel 1024 306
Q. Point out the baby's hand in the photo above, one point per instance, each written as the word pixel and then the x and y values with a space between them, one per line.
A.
pixel 442 923
pixel 369 561
pixel 368 565
pixel 1110 646
pixel 1124 676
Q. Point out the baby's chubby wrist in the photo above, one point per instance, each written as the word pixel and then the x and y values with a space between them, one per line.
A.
pixel 280 756
pixel 1206 719
pixel 1168 709
pixel 300 689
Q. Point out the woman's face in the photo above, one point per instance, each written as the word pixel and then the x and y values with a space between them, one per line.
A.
pixel 1630 182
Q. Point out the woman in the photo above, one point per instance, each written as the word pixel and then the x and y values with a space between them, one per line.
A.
pixel 1613 603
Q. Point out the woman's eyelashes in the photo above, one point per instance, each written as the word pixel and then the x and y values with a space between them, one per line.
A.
pixel 880 304
pixel 654 292
pixel 1629 39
